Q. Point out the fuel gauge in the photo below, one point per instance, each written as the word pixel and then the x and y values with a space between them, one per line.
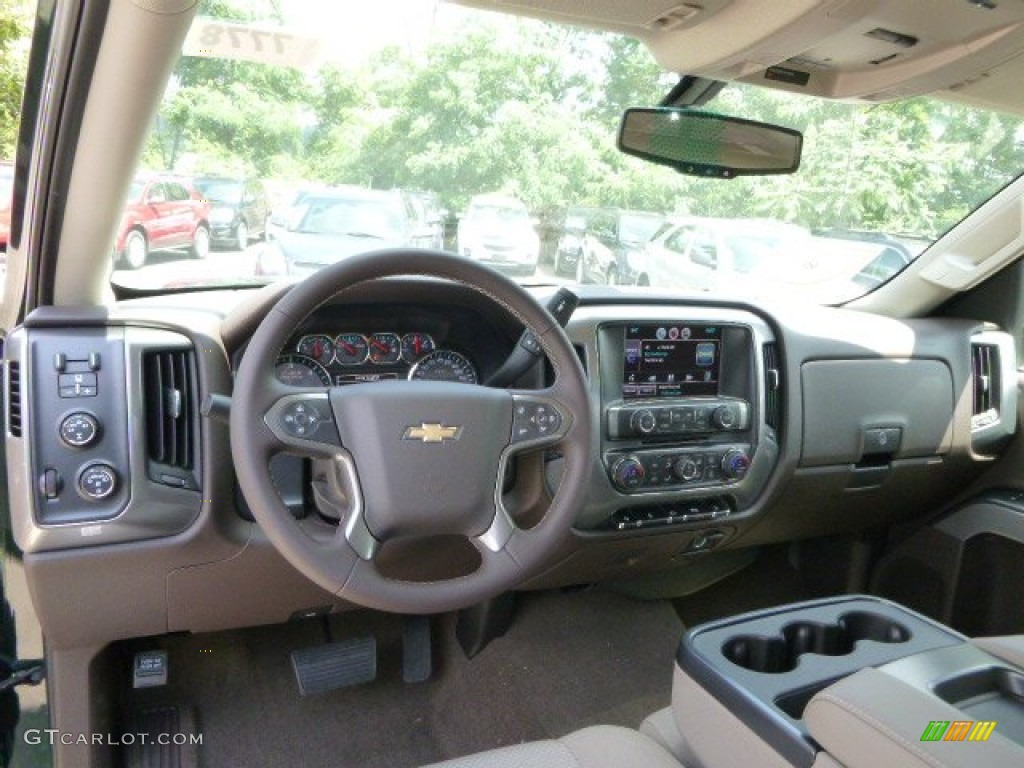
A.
pixel 317 346
pixel 385 348
pixel 351 349
pixel 416 346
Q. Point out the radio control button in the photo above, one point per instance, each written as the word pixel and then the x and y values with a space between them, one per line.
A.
pixel 644 422
pixel 724 417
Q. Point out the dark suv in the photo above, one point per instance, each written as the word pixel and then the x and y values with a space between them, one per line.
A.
pixel 239 210
pixel 599 244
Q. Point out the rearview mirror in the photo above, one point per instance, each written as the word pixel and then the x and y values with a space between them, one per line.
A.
pixel 705 144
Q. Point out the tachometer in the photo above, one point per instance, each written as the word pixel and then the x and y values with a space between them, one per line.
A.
pixel 385 348
pixel 445 365
pixel 301 371
pixel 317 346
pixel 351 349
pixel 416 346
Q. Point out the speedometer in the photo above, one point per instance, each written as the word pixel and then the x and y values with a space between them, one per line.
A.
pixel 444 365
pixel 301 371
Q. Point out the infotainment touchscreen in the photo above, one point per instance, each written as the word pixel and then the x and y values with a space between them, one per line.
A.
pixel 671 360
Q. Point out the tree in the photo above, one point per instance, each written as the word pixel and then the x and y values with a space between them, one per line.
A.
pixel 12 75
pixel 234 117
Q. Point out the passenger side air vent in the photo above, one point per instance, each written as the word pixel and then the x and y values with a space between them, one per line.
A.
pixel 172 417
pixel 772 386
pixel 14 398
pixel 985 383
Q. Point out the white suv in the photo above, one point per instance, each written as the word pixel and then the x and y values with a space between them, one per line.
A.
pixel 498 230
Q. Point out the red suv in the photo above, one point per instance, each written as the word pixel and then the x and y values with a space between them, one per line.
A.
pixel 6 187
pixel 162 212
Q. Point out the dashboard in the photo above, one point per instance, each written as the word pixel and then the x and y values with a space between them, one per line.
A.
pixel 718 425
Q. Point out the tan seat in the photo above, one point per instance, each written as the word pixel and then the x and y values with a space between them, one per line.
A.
pixel 602 746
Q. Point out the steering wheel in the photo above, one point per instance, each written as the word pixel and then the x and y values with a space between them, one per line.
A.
pixel 410 458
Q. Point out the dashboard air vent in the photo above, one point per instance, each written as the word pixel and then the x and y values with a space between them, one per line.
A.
pixel 772 386
pixel 14 398
pixel 985 383
pixel 172 416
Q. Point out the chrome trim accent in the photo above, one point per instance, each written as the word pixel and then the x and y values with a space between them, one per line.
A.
pixel 357 533
pixel 995 432
pixel 503 527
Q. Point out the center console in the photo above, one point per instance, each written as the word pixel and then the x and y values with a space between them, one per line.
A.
pixel 863 679
pixel 689 417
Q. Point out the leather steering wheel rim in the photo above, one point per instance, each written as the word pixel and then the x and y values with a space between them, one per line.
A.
pixel 268 417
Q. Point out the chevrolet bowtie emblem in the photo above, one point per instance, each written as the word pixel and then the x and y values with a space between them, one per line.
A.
pixel 432 433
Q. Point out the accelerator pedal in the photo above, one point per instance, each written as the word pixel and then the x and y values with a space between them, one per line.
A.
pixel 335 665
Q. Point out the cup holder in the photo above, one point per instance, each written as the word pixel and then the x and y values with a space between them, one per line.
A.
pixel 780 653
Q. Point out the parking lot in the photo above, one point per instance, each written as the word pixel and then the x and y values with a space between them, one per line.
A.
pixel 176 269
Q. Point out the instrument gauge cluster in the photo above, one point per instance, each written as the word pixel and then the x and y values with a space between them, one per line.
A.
pixel 324 359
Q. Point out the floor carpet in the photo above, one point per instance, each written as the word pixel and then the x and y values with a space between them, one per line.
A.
pixel 571 659
pixel 768 581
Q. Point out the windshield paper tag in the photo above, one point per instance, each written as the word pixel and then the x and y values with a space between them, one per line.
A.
pixel 215 39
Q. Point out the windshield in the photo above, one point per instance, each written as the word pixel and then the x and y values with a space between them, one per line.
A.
pixel 508 127
pixel 229 192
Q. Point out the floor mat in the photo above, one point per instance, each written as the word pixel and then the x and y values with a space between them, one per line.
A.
pixel 570 660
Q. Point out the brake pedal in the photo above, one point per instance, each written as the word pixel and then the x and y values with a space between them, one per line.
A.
pixel 335 665
pixel 417 662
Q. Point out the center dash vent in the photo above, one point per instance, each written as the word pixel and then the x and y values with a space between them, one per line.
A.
pixel 772 386
pixel 14 398
pixel 985 384
pixel 171 392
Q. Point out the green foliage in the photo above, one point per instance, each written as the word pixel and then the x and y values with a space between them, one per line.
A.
pixel 535 114
pixel 12 74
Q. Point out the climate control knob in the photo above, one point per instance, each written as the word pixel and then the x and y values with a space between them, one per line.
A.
pixel 735 464
pixel 724 417
pixel 686 469
pixel 97 481
pixel 628 473
pixel 79 430
pixel 643 422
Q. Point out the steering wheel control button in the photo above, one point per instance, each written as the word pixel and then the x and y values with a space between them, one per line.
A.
pixel 79 430
pixel 304 420
pixel 301 419
pixel 533 420
pixel 97 481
